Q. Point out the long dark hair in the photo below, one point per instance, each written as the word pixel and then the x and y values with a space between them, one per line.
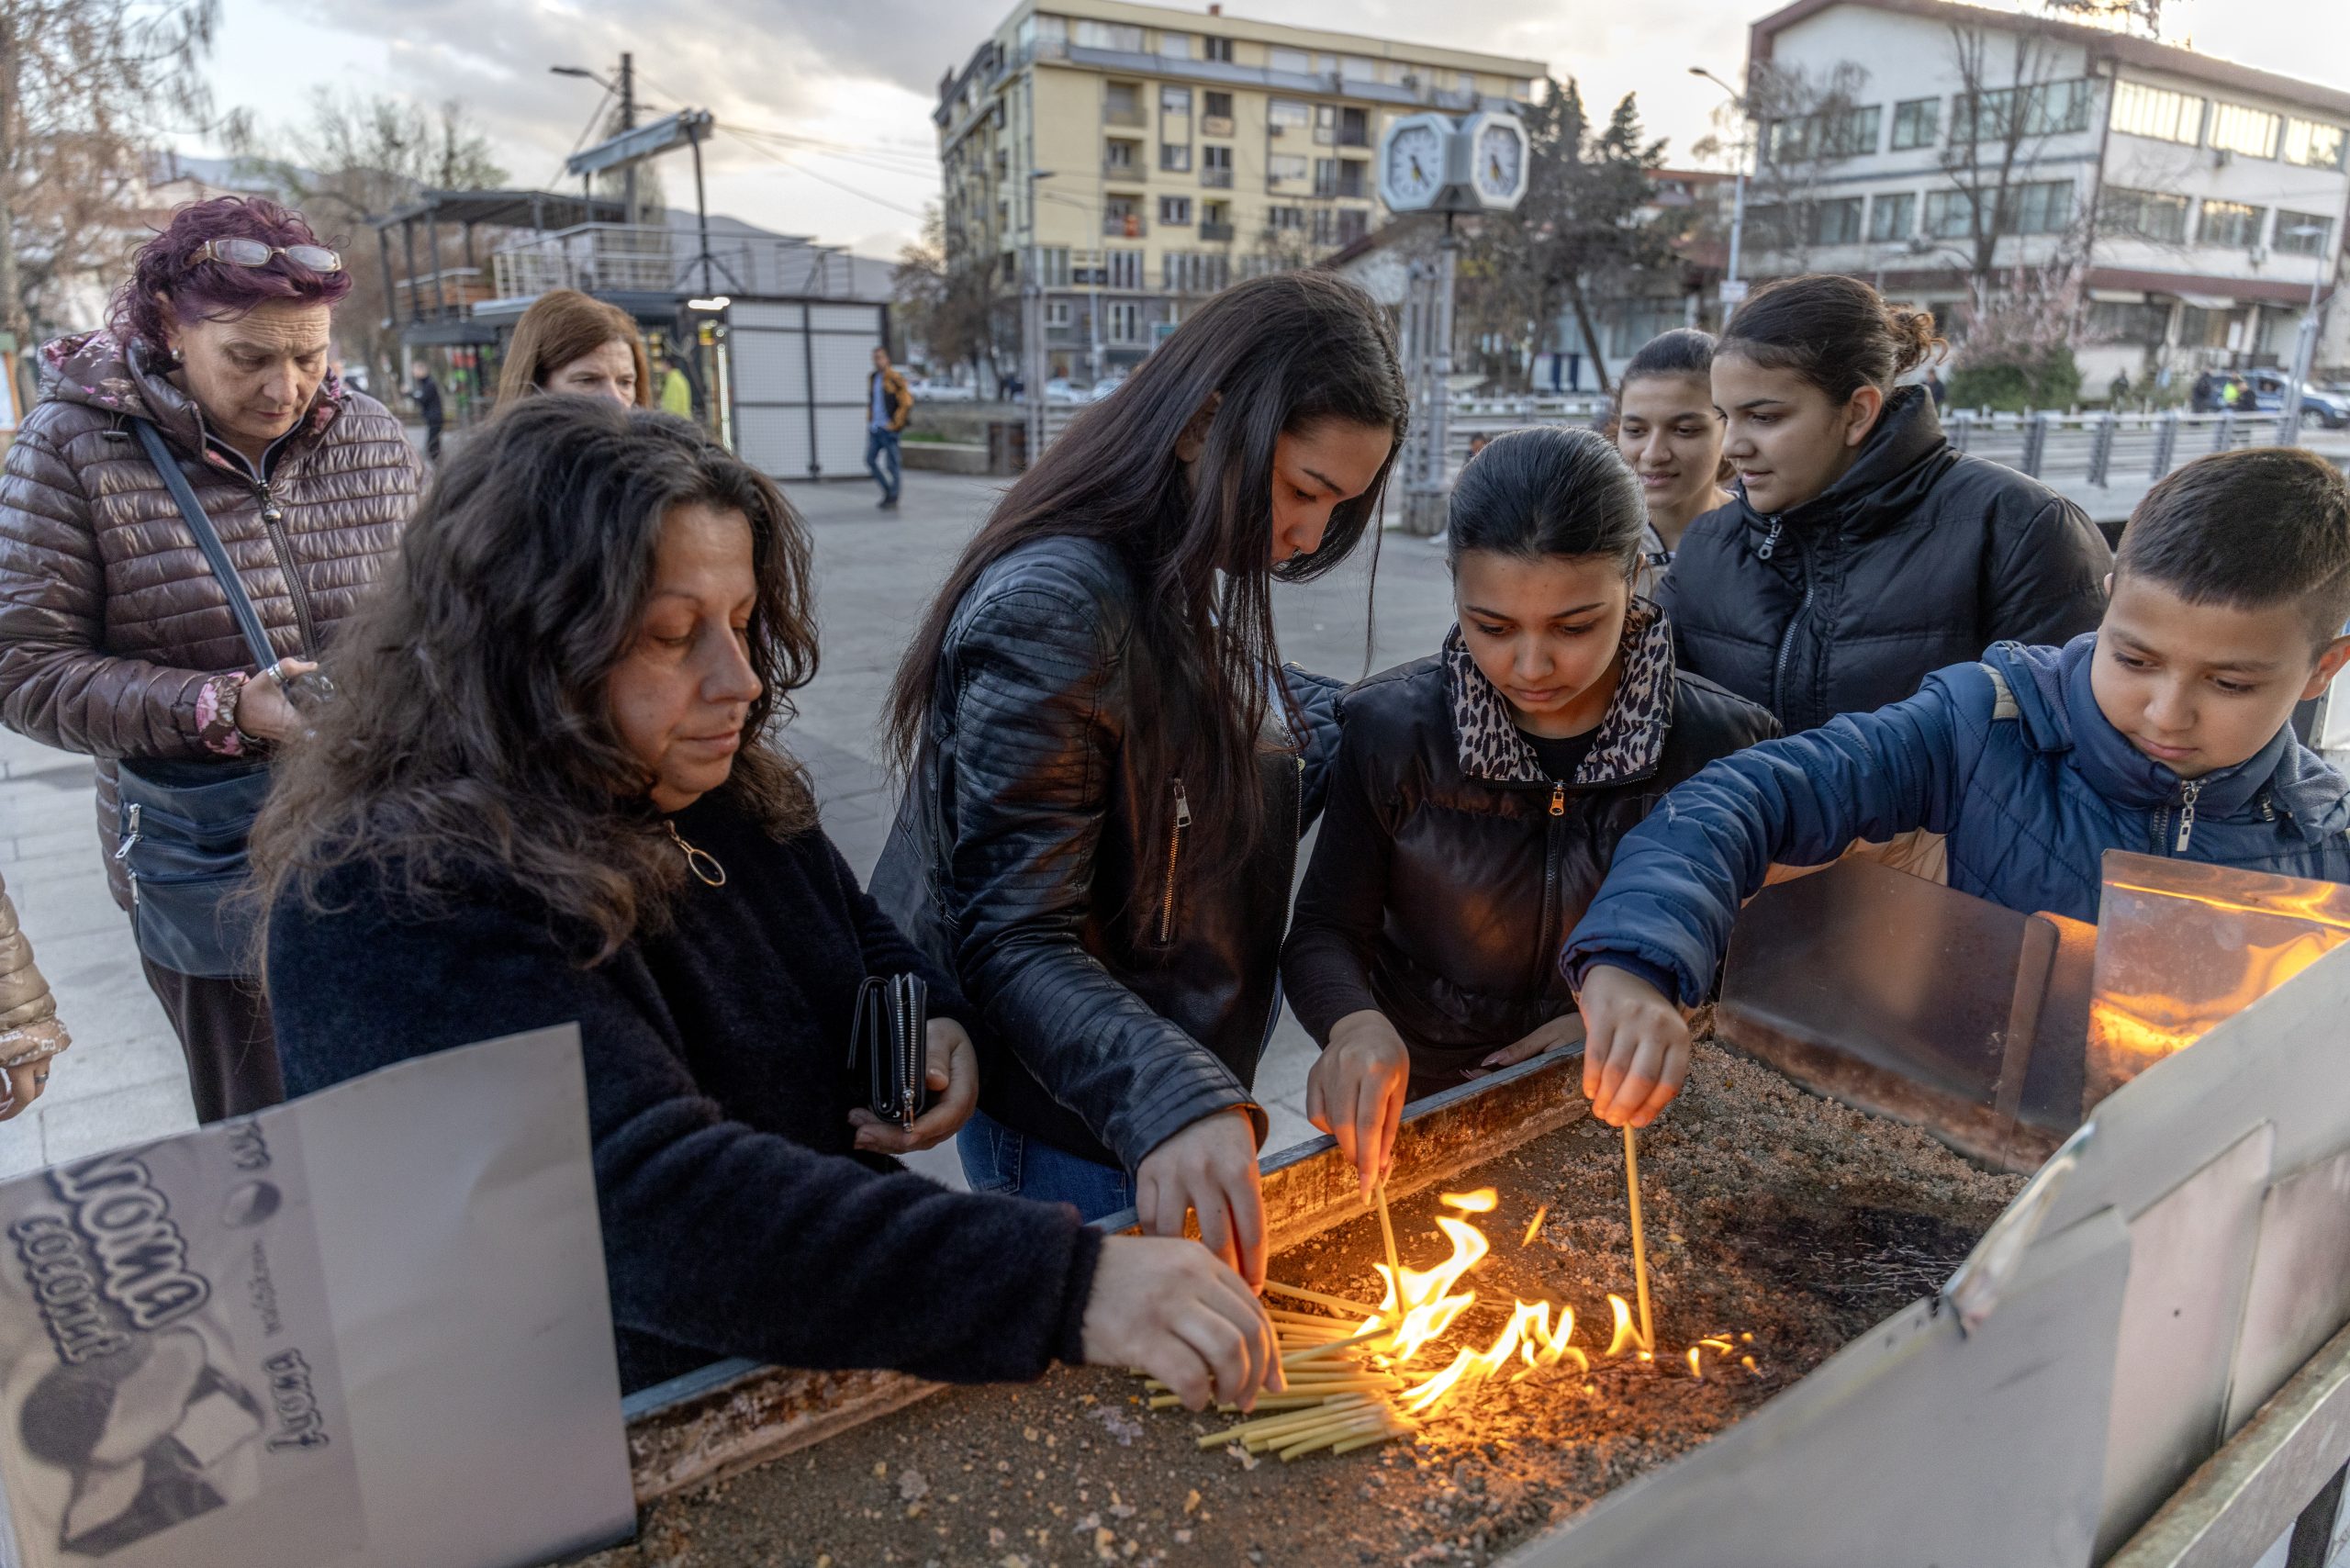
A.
pixel 1286 353
pixel 1835 332
pixel 1548 490
pixel 471 738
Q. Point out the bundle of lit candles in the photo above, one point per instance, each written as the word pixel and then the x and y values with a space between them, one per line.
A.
pixel 1345 1366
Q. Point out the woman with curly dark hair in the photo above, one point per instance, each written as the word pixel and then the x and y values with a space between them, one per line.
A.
pixel 116 638
pixel 550 794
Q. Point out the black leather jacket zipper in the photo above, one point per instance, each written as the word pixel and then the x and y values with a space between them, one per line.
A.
pixel 1174 857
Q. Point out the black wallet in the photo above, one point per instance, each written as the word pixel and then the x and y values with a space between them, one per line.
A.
pixel 891 1037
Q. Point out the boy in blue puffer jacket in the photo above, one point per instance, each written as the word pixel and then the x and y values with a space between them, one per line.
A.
pixel 2167 731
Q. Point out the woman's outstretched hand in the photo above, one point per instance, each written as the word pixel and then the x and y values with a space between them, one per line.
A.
pixel 1356 1092
pixel 1636 1047
pixel 1166 1306
pixel 1210 1169
pixel 953 1074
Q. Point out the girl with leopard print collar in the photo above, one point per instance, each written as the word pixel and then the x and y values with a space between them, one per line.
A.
pixel 1478 794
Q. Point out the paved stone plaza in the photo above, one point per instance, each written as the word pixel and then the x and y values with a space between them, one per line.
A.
pixel 124 1081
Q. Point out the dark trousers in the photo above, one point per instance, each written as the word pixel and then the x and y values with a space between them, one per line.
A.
pixel 880 445
pixel 224 1028
pixel 432 442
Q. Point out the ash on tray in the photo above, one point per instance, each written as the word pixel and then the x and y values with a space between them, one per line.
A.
pixel 1768 1212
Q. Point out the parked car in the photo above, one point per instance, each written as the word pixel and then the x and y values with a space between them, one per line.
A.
pixel 942 392
pixel 2320 407
pixel 1104 386
pixel 1061 390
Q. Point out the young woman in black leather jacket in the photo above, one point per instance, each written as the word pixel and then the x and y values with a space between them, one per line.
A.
pixel 1108 770
pixel 1479 794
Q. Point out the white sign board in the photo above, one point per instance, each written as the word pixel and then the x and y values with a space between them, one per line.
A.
pixel 366 1328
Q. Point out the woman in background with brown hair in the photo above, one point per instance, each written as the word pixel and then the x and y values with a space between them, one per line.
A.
pixel 568 342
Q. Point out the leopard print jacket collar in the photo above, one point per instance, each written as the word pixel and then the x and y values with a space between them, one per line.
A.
pixel 1631 738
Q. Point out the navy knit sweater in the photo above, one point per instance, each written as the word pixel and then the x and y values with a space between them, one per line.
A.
pixel 737 1218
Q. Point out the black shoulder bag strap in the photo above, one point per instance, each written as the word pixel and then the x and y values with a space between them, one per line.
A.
pixel 239 602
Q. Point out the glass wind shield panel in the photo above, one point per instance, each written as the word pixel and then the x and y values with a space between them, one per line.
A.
pixel 2253 132
pixel 1175 46
pixel 1109 35
pixel 2313 144
pixel 2157 113
pixel 1297 62
pixel 1355 68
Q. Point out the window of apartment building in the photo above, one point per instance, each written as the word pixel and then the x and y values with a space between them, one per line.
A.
pixel 1124 269
pixel 2128 321
pixel 1107 34
pixel 1917 123
pixel 1125 321
pixel 1175 209
pixel 1216 220
pixel 2157 113
pixel 1466 84
pixel 1055 312
pixel 1358 68
pixel 1216 114
pixel 2231 223
pixel 1844 133
pixel 2289 244
pixel 2203 328
pixel 1216 166
pixel 2042 207
pixel 1837 222
pixel 2253 132
pixel 1284 220
pixel 1122 216
pixel 1287 116
pixel 1121 103
pixel 1296 62
pixel 2144 215
pixel 1892 215
pixel 1325 177
pixel 1174 46
pixel 2313 144
pixel 1175 156
pixel 1196 272
pixel 1950 215
pixel 1216 49
pixel 1119 156
pixel 1175 129
pixel 1052 266
pixel 1286 168
pixel 1326 227
pixel 2039 108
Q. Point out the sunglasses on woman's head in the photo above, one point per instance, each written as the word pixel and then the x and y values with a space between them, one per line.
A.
pixel 254 253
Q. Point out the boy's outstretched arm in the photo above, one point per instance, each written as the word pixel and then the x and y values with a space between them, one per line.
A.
pixel 1653 938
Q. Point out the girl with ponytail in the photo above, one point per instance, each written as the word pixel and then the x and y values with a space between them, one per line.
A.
pixel 1861 550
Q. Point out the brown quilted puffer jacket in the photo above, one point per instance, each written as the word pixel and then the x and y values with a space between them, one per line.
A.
pixel 110 619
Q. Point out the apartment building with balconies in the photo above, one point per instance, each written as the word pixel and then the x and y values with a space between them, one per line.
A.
pixel 1132 160
pixel 2197 200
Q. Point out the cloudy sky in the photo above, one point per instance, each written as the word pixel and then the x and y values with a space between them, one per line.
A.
pixel 834 94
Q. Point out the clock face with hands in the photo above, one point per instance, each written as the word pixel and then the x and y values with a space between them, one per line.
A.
pixel 1411 166
pixel 1497 159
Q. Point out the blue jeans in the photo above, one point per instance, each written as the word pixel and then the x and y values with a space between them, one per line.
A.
pixel 998 1160
pixel 880 444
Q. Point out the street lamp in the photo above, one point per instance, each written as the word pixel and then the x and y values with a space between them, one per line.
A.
pixel 1733 290
pixel 2305 350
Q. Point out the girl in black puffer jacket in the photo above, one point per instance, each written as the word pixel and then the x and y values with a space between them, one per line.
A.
pixel 1863 551
pixel 1479 795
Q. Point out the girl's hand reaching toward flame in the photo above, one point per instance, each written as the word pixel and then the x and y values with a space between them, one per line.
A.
pixel 1356 1092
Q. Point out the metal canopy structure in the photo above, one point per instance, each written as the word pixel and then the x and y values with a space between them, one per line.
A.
pixel 506 209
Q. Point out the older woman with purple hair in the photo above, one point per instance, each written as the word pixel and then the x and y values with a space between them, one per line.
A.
pixel 116 637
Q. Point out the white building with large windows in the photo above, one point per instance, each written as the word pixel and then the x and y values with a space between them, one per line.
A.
pixel 2200 199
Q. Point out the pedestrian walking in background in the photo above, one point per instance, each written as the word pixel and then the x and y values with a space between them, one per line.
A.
pixel 30 1034
pixel 118 638
pixel 568 342
pixel 889 403
pixel 425 393
pixel 676 393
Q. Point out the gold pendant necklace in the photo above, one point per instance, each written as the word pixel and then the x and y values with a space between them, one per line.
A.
pixel 699 861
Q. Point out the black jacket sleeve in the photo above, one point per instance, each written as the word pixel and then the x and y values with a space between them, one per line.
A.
pixel 713 1232
pixel 1342 905
pixel 1034 666
pixel 2047 576
pixel 1316 697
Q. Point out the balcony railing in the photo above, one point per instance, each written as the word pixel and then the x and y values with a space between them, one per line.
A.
pixel 1112 115
pixel 1216 125
pixel 1215 231
pixel 1123 225
pixel 1122 168
pixel 1216 179
pixel 453 291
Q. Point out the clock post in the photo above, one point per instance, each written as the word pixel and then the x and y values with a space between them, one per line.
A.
pixel 1431 163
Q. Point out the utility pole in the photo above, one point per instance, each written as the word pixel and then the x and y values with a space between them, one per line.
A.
pixel 628 122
